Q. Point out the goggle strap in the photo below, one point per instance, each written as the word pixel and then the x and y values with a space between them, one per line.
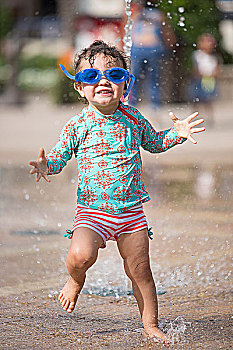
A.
pixel 132 80
pixel 67 73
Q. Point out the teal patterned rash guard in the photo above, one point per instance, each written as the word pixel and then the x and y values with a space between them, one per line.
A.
pixel 107 150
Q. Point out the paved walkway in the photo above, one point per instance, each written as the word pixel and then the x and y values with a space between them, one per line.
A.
pixel 190 255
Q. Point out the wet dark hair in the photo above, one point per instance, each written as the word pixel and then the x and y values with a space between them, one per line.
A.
pixel 100 47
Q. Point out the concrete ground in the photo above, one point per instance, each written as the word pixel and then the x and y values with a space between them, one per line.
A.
pixel 191 253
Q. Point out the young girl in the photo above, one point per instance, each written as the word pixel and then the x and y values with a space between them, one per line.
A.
pixel 105 139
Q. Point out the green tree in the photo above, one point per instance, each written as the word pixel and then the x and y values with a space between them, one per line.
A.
pixel 189 19
pixel 6 21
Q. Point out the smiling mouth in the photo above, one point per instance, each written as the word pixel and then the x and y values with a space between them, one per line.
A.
pixel 104 92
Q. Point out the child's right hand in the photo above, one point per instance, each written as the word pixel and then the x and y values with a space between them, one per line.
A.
pixel 40 166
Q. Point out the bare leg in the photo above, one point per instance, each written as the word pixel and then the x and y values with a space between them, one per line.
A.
pixel 82 254
pixel 134 249
pixel 136 290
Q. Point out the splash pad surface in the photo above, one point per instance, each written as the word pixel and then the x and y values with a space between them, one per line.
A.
pixel 190 254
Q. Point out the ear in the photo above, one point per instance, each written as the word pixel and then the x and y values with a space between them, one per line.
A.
pixel 78 87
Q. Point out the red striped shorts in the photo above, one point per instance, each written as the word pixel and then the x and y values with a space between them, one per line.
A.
pixel 110 226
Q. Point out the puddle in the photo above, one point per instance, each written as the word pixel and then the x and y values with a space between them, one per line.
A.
pixel 112 292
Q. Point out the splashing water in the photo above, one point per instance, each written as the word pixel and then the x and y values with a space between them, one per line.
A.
pixel 127 40
pixel 174 329
pixel 181 9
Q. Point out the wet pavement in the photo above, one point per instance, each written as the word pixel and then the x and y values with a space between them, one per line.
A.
pixel 191 213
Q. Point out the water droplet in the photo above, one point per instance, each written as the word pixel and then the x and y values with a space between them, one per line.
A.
pixel 181 24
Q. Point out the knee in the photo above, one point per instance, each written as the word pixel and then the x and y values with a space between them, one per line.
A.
pixel 80 260
pixel 140 269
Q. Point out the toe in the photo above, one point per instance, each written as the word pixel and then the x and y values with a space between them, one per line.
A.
pixel 60 296
pixel 65 304
pixel 62 300
pixel 71 307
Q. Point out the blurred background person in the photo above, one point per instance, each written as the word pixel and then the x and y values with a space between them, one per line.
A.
pixel 206 70
pixel 153 39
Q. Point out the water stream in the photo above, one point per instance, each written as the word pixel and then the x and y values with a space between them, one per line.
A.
pixel 127 40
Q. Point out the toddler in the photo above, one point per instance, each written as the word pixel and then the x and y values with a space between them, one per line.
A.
pixel 105 137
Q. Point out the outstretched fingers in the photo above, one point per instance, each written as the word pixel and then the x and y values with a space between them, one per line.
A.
pixel 191 117
pixel 197 130
pixel 45 177
pixel 196 122
pixel 40 167
pixel 191 139
pixel 185 127
pixel 188 119
pixel 41 154
pixel 173 117
pixel 34 170
pixel 33 163
pixel 38 177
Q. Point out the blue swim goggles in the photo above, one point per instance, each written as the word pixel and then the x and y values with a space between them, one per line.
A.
pixel 92 76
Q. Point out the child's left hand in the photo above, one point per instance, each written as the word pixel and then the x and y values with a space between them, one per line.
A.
pixel 184 128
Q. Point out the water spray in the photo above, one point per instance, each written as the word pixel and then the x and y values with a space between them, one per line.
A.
pixel 127 40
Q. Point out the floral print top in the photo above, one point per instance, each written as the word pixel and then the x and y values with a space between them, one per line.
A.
pixel 107 150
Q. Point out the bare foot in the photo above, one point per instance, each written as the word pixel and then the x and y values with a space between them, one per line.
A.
pixel 69 295
pixel 156 334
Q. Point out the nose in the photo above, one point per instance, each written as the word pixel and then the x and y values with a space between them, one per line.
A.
pixel 104 80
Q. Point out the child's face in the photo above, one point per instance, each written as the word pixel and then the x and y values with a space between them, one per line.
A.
pixel 207 44
pixel 104 95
